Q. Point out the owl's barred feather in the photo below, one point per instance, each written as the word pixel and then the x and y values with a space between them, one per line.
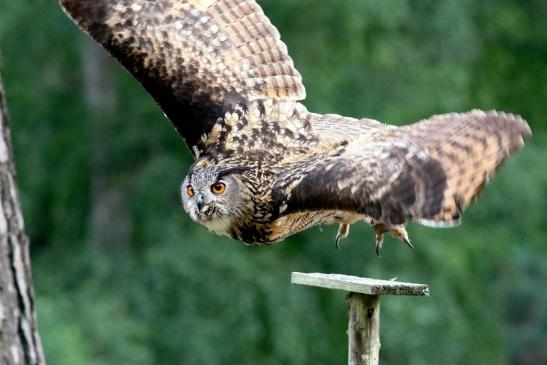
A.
pixel 196 58
pixel 428 171
pixel 221 74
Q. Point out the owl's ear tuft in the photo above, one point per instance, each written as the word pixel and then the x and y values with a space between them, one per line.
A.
pixel 232 171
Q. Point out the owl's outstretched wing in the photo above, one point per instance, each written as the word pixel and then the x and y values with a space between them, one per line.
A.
pixel 195 57
pixel 428 171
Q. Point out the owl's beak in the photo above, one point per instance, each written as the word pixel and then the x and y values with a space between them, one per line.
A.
pixel 199 201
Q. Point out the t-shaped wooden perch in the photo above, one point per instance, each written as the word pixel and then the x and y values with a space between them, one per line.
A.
pixel 364 308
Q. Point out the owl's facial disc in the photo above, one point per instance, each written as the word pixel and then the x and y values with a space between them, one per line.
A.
pixel 209 206
pixel 205 201
pixel 213 197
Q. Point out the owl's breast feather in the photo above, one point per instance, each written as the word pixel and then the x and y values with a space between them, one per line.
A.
pixel 221 226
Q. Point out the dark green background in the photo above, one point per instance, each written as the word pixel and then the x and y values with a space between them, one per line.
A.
pixel 123 277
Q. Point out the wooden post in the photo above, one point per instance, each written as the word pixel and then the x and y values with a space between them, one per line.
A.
pixel 364 308
pixel 363 329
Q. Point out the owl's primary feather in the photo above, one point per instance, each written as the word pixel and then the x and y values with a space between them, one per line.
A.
pixel 221 74
pixel 197 58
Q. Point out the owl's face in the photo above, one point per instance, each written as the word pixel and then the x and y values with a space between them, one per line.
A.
pixel 213 197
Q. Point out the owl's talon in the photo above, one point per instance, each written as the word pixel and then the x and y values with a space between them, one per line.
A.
pixel 343 231
pixel 408 243
pixel 338 239
pixel 401 233
pixel 379 243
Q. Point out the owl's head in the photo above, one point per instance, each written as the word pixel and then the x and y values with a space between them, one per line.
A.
pixel 213 196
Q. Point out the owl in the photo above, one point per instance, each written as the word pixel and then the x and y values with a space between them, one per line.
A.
pixel 266 167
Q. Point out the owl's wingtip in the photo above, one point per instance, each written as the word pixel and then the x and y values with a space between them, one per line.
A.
pixel 516 121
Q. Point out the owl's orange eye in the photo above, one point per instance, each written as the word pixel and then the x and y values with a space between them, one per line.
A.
pixel 190 191
pixel 218 188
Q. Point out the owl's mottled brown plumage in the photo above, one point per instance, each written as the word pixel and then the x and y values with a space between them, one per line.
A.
pixel 221 74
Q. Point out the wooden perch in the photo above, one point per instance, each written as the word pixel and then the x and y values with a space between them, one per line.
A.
pixel 364 308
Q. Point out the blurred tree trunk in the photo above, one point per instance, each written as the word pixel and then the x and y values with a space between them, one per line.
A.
pixel 19 339
pixel 109 225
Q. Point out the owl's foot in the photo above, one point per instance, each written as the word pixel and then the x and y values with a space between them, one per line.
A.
pixel 343 231
pixel 395 231
pixel 400 233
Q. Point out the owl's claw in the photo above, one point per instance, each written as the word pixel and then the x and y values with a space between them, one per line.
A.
pixel 408 243
pixel 397 231
pixel 343 231
pixel 338 239
pixel 379 243
pixel 400 233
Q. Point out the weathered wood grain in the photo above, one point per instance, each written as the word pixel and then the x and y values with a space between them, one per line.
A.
pixel 357 284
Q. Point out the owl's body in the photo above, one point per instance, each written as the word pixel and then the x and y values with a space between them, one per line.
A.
pixel 266 150
pixel 265 166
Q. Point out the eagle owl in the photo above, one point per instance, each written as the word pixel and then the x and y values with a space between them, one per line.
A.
pixel 266 167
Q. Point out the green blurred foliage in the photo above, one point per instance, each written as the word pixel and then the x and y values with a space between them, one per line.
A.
pixel 171 293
